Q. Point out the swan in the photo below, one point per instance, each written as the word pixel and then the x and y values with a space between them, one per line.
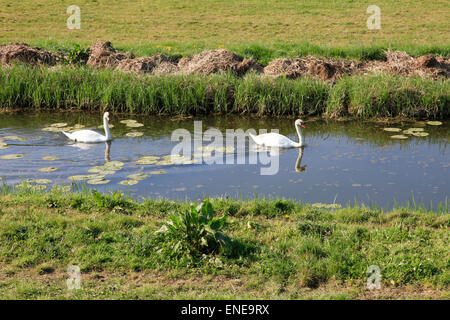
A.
pixel 90 136
pixel 277 140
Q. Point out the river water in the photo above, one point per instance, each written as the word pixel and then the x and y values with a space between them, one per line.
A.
pixel 342 162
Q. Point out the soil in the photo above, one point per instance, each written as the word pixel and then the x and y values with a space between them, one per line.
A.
pixel 220 60
pixel 24 53
pixel 104 55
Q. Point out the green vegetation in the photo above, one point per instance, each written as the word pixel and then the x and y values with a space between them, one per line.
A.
pixel 194 231
pixel 263 30
pixel 276 248
pixel 83 88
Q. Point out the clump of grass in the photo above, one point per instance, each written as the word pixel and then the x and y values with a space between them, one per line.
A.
pixel 195 231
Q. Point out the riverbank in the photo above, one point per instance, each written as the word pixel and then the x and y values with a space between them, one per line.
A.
pixel 359 96
pixel 275 249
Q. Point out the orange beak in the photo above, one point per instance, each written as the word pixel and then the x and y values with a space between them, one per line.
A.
pixel 303 126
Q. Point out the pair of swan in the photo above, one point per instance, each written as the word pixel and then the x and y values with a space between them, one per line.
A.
pixel 266 139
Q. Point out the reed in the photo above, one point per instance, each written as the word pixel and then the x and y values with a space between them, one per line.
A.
pixel 83 88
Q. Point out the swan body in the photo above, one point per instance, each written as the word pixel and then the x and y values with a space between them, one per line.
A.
pixel 90 136
pixel 277 140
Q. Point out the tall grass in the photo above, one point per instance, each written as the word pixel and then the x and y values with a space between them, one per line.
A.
pixel 83 88
pixel 390 96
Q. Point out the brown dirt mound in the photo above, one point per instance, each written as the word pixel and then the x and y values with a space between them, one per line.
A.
pixel 157 64
pixel 102 54
pixel 399 62
pixel 324 69
pixel 220 60
pixel 23 52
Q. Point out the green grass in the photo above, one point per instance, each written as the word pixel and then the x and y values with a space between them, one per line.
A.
pixel 83 88
pixel 260 29
pixel 279 249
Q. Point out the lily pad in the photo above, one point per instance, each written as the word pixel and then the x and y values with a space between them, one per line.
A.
pixel 392 129
pixel 158 172
pixel 137 176
pixel 79 126
pixel 416 129
pixel 3 145
pixel 420 134
pixel 50 158
pixel 49 169
pixel 114 164
pixel 399 136
pixel 434 123
pixel 128 121
pixel 134 124
pixel 13 138
pixel 98 181
pixel 129 182
pixel 58 125
pixel 11 156
pixel 134 134
pixel 82 177
pixel 148 160
pixel 53 129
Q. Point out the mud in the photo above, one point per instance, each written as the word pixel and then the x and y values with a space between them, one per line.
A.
pixel 104 55
pixel 220 60
pixel 22 52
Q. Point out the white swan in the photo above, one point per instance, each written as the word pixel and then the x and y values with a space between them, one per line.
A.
pixel 278 140
pixel 90 136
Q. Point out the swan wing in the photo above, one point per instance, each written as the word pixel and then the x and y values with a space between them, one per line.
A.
pixel 86 136
pixel 273 140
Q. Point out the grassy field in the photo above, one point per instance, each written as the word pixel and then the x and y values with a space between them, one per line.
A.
pixel 274 249
pixel 82 88
pixel 259 29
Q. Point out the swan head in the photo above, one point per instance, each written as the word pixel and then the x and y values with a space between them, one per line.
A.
pixel 106 116
pixel 300 123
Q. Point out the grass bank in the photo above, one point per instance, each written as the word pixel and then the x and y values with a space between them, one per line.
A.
pixel 273 249
pixel 82 88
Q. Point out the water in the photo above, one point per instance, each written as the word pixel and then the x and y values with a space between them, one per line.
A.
pixel 343 161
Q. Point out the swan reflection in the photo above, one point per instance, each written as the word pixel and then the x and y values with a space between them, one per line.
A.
pixel 298 167
pixel 88 146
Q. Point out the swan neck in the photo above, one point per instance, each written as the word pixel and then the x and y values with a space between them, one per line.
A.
pixel 106 126
pixel 300 135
